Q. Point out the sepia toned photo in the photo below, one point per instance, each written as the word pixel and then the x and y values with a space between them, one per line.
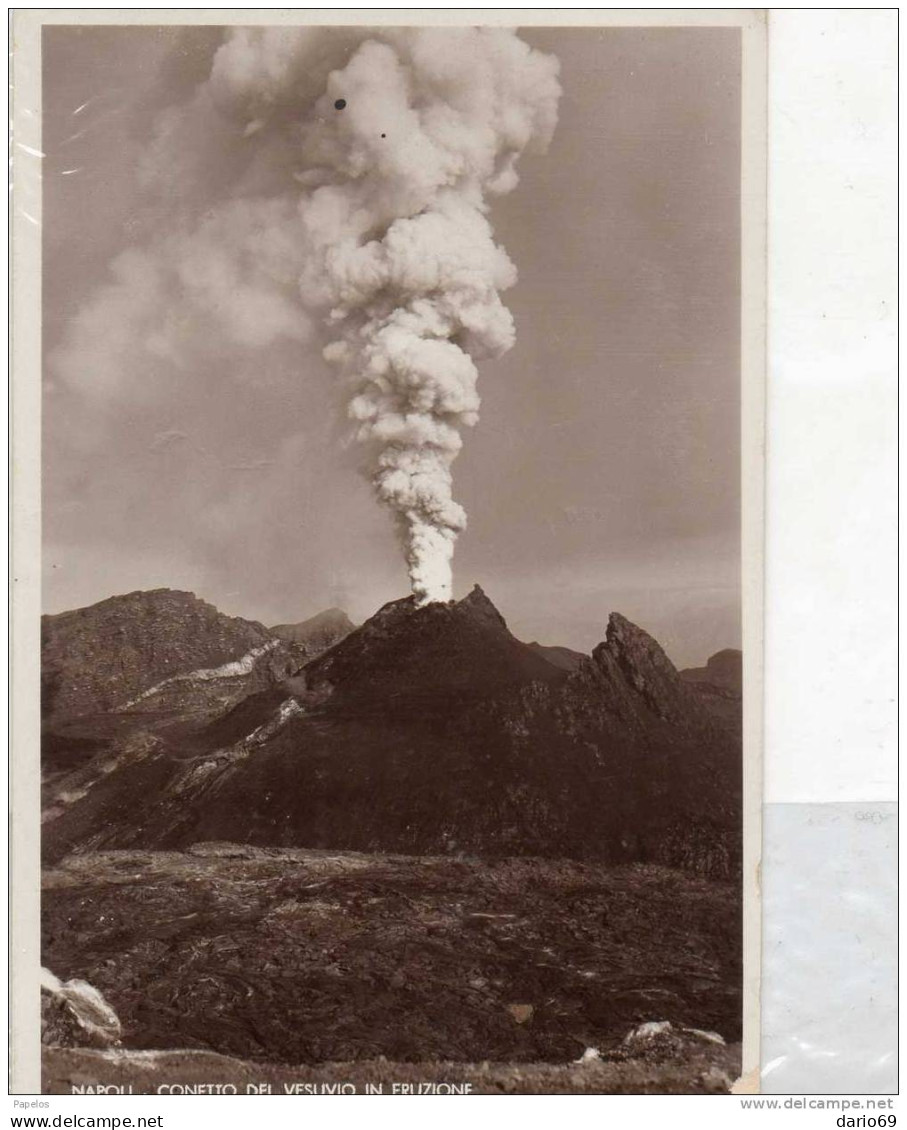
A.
pixel 399 521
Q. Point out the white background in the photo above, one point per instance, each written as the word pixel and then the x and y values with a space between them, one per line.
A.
pixel 830 658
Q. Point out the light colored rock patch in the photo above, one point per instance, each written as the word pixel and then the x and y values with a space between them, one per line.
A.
pixel 291 708
pixel 199 773
pixel 648 1031
pixel 150 1058
pixel 88 1006
pixel 232 670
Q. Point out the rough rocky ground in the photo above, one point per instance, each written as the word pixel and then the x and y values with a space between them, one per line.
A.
pixel 292 956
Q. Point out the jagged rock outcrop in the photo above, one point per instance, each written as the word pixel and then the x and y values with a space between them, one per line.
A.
pixel 75 1014
pixel 434 730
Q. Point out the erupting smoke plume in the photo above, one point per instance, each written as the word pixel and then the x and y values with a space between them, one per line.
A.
pixel 402 150
pixel 373 155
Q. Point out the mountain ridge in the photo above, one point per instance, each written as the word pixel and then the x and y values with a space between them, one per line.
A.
pixel 434 730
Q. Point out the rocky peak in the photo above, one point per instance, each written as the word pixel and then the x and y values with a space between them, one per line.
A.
pixel 638 654
pixel 453 644
pixel 640 662
pixel 480 609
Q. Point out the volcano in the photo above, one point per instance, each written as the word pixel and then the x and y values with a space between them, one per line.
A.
pixel 460 650
pixel 433 730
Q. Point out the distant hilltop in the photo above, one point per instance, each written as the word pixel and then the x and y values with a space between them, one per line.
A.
pixel 321 631
pixel 724 669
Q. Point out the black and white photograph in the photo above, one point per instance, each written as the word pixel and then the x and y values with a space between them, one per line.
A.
pixel 393 566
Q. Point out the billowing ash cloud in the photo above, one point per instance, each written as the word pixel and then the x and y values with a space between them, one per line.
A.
pixel 356 170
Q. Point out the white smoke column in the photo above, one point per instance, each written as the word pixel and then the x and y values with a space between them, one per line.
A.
pixel 413 132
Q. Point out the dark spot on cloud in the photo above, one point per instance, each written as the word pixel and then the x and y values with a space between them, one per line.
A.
pixel 340 103
pixel 384 135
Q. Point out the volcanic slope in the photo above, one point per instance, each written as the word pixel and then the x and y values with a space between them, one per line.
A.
pixel 434 730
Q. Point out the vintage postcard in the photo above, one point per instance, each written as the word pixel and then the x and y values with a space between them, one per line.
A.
pixel 388 542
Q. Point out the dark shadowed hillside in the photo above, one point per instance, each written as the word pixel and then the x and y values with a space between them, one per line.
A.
pixel 564 657
pixel 445 650
pixel 720 686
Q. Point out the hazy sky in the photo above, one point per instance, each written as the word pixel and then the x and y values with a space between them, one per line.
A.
pixel 604 471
